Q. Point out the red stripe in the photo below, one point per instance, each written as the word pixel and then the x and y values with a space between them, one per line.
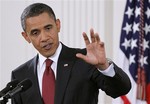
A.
pixel 148 94
pixel 125 100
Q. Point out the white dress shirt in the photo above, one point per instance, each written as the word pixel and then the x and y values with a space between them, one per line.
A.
pixel 41 65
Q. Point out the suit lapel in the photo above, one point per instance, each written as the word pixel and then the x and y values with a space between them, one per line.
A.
pixel 33 76
pixel 64 67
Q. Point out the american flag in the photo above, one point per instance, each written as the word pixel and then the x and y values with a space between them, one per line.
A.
pixel 135 51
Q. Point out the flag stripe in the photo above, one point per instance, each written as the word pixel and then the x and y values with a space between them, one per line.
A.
pixel 125 100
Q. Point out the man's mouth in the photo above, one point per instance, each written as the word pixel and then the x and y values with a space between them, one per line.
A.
pixel 47 46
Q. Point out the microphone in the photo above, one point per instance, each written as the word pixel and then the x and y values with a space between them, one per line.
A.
pixel 21 87
pixel 11 85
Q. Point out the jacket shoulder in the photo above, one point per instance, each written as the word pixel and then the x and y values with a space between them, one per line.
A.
pixel 25 65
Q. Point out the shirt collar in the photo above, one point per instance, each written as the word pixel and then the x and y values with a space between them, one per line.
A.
pixel 54 57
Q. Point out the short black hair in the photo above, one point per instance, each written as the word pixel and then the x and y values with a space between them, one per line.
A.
pixel 35 10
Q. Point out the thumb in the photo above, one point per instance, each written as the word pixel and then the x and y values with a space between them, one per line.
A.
pixel 81 56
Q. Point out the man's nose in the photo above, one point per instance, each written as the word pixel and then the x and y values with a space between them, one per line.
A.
pixel 44 36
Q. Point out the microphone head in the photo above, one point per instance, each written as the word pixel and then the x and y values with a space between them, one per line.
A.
pixel 21 87
pixel 25 84
pixel 12 84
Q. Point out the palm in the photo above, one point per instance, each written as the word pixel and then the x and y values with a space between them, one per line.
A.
pixel 94 53
pixel 95 50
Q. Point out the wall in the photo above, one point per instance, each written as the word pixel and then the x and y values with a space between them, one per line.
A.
pixel 76 16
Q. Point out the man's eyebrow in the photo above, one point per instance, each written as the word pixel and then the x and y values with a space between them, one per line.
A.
pixel 33 30
pixel 49 25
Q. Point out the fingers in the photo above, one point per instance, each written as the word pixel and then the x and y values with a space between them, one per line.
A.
pixel 101 44
pixel 97 38
pixel 86 39
pixel 94 37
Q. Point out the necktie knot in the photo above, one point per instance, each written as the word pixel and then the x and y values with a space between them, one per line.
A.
pixel 48 62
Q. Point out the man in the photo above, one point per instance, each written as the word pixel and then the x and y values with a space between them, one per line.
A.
pixel 79 73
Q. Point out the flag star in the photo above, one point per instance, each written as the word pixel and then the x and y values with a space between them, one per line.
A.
pixel 132 60
pixel 145 44
pixel 133 43
pixel 148 13
pixel 126 44
pixel 143 60
pixel 135 27
pixel 147 28
pixel 137 11
pixel 129 12
pixel 127 28
pixel 130 1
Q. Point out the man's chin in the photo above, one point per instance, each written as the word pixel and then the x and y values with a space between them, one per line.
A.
pixel 49 54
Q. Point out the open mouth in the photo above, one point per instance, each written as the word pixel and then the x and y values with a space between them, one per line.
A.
pixel 47 46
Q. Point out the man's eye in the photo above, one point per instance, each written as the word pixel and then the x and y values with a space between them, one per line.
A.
pixel 48 27
pixel 35 33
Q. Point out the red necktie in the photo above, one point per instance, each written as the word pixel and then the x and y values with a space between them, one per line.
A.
pixel 48 84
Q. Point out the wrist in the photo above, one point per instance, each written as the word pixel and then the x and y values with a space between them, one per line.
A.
pixel 103 67
pixel 106 65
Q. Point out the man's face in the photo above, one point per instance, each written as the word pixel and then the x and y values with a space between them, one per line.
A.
pixel 42 31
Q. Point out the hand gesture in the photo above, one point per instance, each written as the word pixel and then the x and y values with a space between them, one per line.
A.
pixel 95 51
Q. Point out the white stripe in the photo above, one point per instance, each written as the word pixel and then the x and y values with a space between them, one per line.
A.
pixel 123 63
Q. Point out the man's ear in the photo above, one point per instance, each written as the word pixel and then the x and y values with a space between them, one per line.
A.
pixel 58 25
pixel 26 37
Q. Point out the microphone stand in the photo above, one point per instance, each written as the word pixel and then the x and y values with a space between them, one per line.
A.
pixel 4 101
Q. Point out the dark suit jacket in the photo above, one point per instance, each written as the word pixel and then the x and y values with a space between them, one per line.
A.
pixel 77 83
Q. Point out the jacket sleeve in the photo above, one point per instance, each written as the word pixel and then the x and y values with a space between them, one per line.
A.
pixel 113 86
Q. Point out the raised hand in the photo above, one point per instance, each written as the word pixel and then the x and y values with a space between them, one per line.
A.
pixel 95 51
